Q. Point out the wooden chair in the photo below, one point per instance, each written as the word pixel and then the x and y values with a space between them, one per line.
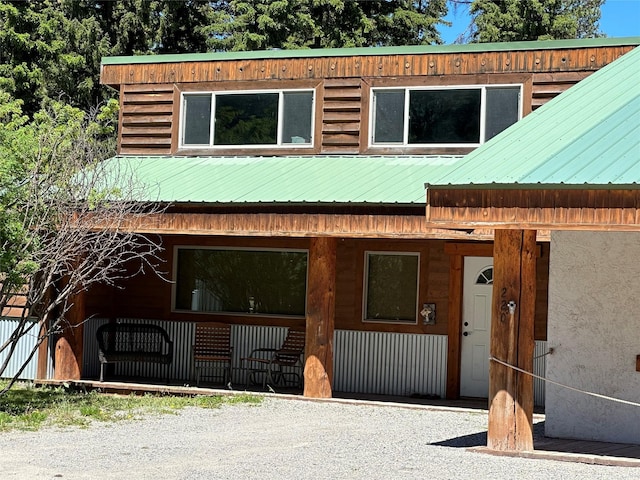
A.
pixel 278 366
pixel 212 348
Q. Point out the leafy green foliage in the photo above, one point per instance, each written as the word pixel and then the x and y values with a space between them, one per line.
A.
pixel 516 20
pixel 290 24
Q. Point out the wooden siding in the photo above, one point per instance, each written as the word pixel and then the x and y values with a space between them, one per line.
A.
pixel 149 106
pixel 556 60
pixel 341 116
pixel 146 119
pixel 549 85
pixel 570 209
pixel 149 296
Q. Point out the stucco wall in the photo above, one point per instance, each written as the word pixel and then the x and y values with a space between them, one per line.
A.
pixel 594 327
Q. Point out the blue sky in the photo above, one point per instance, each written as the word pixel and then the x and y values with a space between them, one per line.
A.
pixel 620 18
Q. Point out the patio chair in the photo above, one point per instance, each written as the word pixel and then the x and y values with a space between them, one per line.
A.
pixel 212 349
pixel 278 366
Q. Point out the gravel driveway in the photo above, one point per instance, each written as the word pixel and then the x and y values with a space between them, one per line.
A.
pixel 280 439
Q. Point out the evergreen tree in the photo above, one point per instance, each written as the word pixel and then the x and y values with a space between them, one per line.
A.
pixel 514 20
pixel 265 24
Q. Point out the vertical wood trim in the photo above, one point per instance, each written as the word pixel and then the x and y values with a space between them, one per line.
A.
pixel 175 119
pixel 120 119
pixel 318 369
pixel 512 341
pixel 43 354
pixel 456 274
pixel 527 96
pixel 69 346
pixel 364 116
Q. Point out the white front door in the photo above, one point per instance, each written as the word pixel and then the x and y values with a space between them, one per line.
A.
pixel 476 326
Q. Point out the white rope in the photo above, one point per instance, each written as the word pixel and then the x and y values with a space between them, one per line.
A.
pixel 626 402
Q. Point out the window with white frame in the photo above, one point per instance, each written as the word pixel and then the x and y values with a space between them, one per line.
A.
pixel 438 116
pixel 391 286
pixel 247 118
pixel 249 281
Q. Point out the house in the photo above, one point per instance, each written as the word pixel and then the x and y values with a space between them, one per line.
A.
pixel 583 184
pixel 300 176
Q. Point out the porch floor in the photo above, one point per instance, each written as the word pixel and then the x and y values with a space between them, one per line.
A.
pixel 600 453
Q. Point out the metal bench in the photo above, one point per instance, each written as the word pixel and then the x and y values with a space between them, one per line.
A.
pixel 133 342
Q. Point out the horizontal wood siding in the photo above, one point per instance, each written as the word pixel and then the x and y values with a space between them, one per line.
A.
pixel 549 85
pixel 146 119
pixel 341 115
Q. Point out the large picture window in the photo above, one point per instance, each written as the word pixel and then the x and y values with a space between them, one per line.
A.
pixel 241 119
pixel 460 116
pixel 391 286
pixel 268 282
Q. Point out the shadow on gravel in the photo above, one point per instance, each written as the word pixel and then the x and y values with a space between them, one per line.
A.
pixel 480 439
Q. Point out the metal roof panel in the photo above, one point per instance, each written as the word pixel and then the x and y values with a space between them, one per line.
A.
pixel 588 135
pixel 296 179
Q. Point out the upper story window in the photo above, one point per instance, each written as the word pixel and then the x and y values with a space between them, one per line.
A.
pixel 247 119
pixel 461 116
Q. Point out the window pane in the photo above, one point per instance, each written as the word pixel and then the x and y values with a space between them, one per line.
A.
pixel 241 281
pixel 197 119
pixel 297 112
pixel 444 116
pixel 246 119
pixel 392 285
pixel 389 117
pixel 502 109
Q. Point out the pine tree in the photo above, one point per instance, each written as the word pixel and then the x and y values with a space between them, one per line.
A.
pixel 515 20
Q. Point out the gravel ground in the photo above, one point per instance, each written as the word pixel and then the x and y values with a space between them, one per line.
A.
pixel 281 439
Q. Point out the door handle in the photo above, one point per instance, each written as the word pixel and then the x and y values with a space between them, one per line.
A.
pixel 465 334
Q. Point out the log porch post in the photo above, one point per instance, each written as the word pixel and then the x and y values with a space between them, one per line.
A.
pixel 69 346
pixel 512 341
pixel 318 369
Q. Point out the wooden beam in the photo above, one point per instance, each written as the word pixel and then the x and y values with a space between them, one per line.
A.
pixel 69 346
pixel 512 341
pixel 318 370
pixel 289 224
pixel 535 209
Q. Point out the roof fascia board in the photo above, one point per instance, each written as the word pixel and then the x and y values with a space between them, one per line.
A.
pixel 371 51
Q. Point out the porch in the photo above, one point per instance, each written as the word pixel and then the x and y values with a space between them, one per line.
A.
pixel 404 366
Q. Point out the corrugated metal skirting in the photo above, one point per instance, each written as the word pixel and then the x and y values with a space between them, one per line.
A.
pixel 244 339
pixel 390 363
pixel 539 368
pixel 23 350
pixel 364 362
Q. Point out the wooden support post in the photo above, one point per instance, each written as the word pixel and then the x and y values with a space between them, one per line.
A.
pixel 318 370
pixel 512 341
pixel 43 354
pixel 69 346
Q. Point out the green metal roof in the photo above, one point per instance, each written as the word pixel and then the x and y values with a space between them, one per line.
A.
pixel 587 136
pixel 285 180
pixel 349 52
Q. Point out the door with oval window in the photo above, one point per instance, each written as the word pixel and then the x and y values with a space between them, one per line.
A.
pixel 476 326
